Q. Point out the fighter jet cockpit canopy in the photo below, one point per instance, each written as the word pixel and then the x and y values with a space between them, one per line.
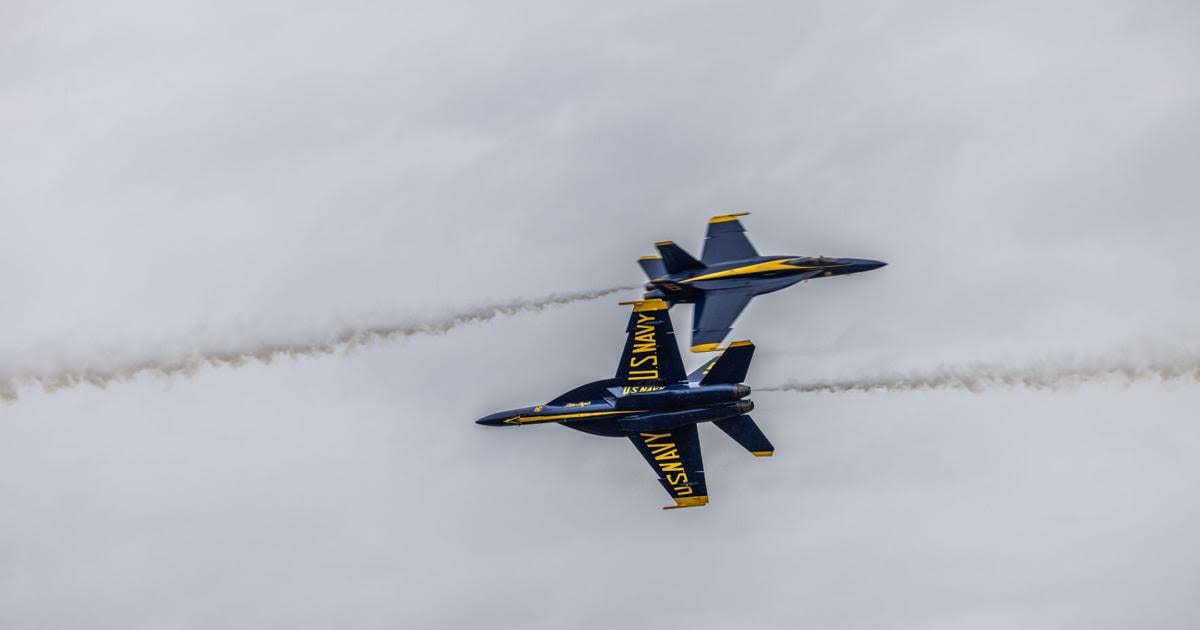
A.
pixel 812 260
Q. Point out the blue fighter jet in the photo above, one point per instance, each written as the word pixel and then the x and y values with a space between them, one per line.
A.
pixel 728 275
pixel 654 403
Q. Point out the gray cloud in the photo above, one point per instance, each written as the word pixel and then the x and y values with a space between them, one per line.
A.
pixel 218 175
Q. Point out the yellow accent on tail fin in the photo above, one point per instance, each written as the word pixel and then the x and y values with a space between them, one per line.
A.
pixel 706 347
pixel 743 342
pixel 762 453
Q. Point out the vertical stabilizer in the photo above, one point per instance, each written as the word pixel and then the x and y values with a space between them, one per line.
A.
pixel 674 259
pixel 653 267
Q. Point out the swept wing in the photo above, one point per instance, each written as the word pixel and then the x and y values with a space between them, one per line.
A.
pixel 675 457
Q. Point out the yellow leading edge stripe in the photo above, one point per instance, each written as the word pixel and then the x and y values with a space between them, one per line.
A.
pixel 706 347
pixel 565 416
pixel 763 267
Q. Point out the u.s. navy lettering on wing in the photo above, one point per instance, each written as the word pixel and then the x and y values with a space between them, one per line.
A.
pixel 666 458
pixel 654 403
pixel 646 345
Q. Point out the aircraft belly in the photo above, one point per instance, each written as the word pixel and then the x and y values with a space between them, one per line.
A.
pixel 667 421
pixel 722 284
pixel 604 427
pixel 770 285
pixel 757 284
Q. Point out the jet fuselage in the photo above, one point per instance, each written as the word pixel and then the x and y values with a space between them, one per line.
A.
pixel 630 409
pixel 763 274
pixel 654 402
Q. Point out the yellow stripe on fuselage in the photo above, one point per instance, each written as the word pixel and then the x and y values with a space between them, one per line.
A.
pixel 750 270
pixel 571 416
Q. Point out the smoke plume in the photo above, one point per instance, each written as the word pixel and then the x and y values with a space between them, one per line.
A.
pixel 265 352
pixel 1126 368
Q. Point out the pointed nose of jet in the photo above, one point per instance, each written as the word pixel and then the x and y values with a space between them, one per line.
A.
pixel 497 419
pixel 864 264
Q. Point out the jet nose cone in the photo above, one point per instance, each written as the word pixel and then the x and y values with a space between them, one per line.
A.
pixel 865 264
pixel 509 418
pixel 493 420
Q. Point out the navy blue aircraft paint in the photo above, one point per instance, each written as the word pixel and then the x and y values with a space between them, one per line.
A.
pixel 728 275
pixel 654 403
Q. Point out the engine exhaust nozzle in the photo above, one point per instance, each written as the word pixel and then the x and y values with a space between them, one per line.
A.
pixel 744 406
pixel 741 390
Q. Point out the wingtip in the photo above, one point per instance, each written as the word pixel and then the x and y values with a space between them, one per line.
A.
pixel 721 218
pixel 688 502
pixel 653 304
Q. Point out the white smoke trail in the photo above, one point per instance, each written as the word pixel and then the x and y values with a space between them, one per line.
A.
pixel 263 352
pixel 1064 373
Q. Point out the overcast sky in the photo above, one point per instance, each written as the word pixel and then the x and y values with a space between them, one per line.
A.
pixel 177 176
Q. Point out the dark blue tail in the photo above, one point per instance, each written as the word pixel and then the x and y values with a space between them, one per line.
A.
pixel 653 267
pixel 675 259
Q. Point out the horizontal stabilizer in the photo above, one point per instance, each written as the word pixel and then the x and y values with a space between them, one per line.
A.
pixel 675 260
pixel 653 267
pixel 731 366
pixel 743 431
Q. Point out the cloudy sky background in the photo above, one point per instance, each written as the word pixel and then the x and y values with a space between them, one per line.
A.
pixel 199 176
